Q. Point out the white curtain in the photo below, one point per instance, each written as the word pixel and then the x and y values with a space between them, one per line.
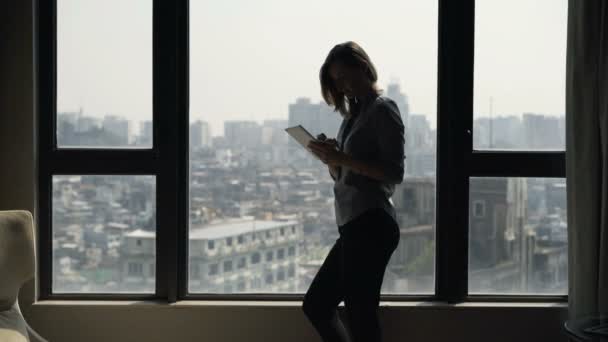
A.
pixel 587 156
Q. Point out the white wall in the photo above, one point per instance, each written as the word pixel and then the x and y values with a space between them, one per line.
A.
pixel 204 321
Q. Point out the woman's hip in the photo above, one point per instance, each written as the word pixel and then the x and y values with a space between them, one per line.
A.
pixel 373 223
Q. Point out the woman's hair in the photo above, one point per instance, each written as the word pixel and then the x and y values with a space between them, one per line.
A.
pixel 353 56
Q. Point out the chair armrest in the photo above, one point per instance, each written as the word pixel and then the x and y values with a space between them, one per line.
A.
pixel 34 336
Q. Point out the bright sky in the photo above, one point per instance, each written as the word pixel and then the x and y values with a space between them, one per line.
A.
pixel 250 59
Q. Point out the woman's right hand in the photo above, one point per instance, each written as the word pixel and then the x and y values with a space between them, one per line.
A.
pixel 333 170
pixel 333 142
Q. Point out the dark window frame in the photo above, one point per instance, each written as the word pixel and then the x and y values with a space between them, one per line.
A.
pixel 167 160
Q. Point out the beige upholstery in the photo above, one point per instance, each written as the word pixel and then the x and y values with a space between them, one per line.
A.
pixel 17 265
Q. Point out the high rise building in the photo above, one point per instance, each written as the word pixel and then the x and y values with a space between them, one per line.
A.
pixel 200 134
pixel 541 131
pixel 561 126
pixel 145 133
pixel 87 123
pixel 273 132
pixel 419 133
pixel 118 127
pixel 234 256
pixel 393 91
pixel 315 117
pixel 242 133
pixel 504 131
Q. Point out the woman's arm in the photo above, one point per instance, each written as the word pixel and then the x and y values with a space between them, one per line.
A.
pixel 388 164
pixel 333 171
pixel 365 168
pixel 384 170
pixel 335 159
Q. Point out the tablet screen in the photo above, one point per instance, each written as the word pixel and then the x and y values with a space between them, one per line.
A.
pixel 302 136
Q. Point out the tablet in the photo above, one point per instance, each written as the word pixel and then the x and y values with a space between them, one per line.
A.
pixel 302 136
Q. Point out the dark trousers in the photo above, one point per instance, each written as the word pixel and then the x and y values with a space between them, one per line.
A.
pixel 353 271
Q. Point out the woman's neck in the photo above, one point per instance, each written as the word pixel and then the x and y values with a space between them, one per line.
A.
pixel 361 102
pixel 366 96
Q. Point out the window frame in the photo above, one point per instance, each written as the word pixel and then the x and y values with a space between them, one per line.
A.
pixel 168 158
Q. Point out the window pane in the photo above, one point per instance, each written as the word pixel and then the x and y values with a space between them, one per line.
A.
pixel 104 234
pixel 520 70
pixel 254 70
pixel 104 73
pixel 518 241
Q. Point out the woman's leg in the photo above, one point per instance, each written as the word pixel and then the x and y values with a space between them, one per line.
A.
pixel 367 250
pixel 323 296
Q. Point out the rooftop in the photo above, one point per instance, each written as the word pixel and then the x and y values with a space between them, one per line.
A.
pixel 222 229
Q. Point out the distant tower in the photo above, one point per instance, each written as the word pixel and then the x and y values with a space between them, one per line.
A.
pixel 79 120
pixel 394 92
pixel 315 117
pixel 196 134
pixel 491 139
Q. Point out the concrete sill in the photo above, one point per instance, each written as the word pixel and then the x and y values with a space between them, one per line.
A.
pixel 296 304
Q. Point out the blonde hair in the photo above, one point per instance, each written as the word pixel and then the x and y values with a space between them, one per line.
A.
pixel 352 55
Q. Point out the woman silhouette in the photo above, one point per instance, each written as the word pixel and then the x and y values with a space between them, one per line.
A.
pixel 366 161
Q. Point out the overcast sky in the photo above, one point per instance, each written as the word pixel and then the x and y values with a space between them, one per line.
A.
pixel 250 59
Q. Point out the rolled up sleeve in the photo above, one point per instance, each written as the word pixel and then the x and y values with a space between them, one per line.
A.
pixel 390 133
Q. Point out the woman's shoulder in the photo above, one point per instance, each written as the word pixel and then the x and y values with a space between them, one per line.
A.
pixel 387 110
pixel 387 103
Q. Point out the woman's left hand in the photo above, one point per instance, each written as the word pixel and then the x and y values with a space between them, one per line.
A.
pixel 328 153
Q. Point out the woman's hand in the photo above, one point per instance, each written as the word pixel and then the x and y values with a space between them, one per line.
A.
pixel 332 142
pixel 328 152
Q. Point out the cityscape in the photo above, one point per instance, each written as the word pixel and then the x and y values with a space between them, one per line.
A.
pixel 262 215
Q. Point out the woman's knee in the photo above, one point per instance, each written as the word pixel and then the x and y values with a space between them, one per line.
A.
pixel 362 316
pixel 316 310
pixel 307 304
pixel 362 303
pixel 309 307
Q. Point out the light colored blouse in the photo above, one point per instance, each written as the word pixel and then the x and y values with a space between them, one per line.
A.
pixel 376 135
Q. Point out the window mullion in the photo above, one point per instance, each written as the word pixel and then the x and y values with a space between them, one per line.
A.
pixel 182 148
pixel 518 164
pixel 166 138
pixel 455 121
pixel 45 12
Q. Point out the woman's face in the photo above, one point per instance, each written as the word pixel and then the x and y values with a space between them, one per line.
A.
pixel 350 81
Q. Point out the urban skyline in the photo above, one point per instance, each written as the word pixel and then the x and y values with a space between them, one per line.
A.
pixel 244 73
pixel 261 218
pixel 499 131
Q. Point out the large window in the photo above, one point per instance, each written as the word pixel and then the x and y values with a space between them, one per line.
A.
pixel 520 74
pixel 165 172
pixel 518 241
pixel 104 73
pixel 103 233
pixel 517 225
pixel 247 177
